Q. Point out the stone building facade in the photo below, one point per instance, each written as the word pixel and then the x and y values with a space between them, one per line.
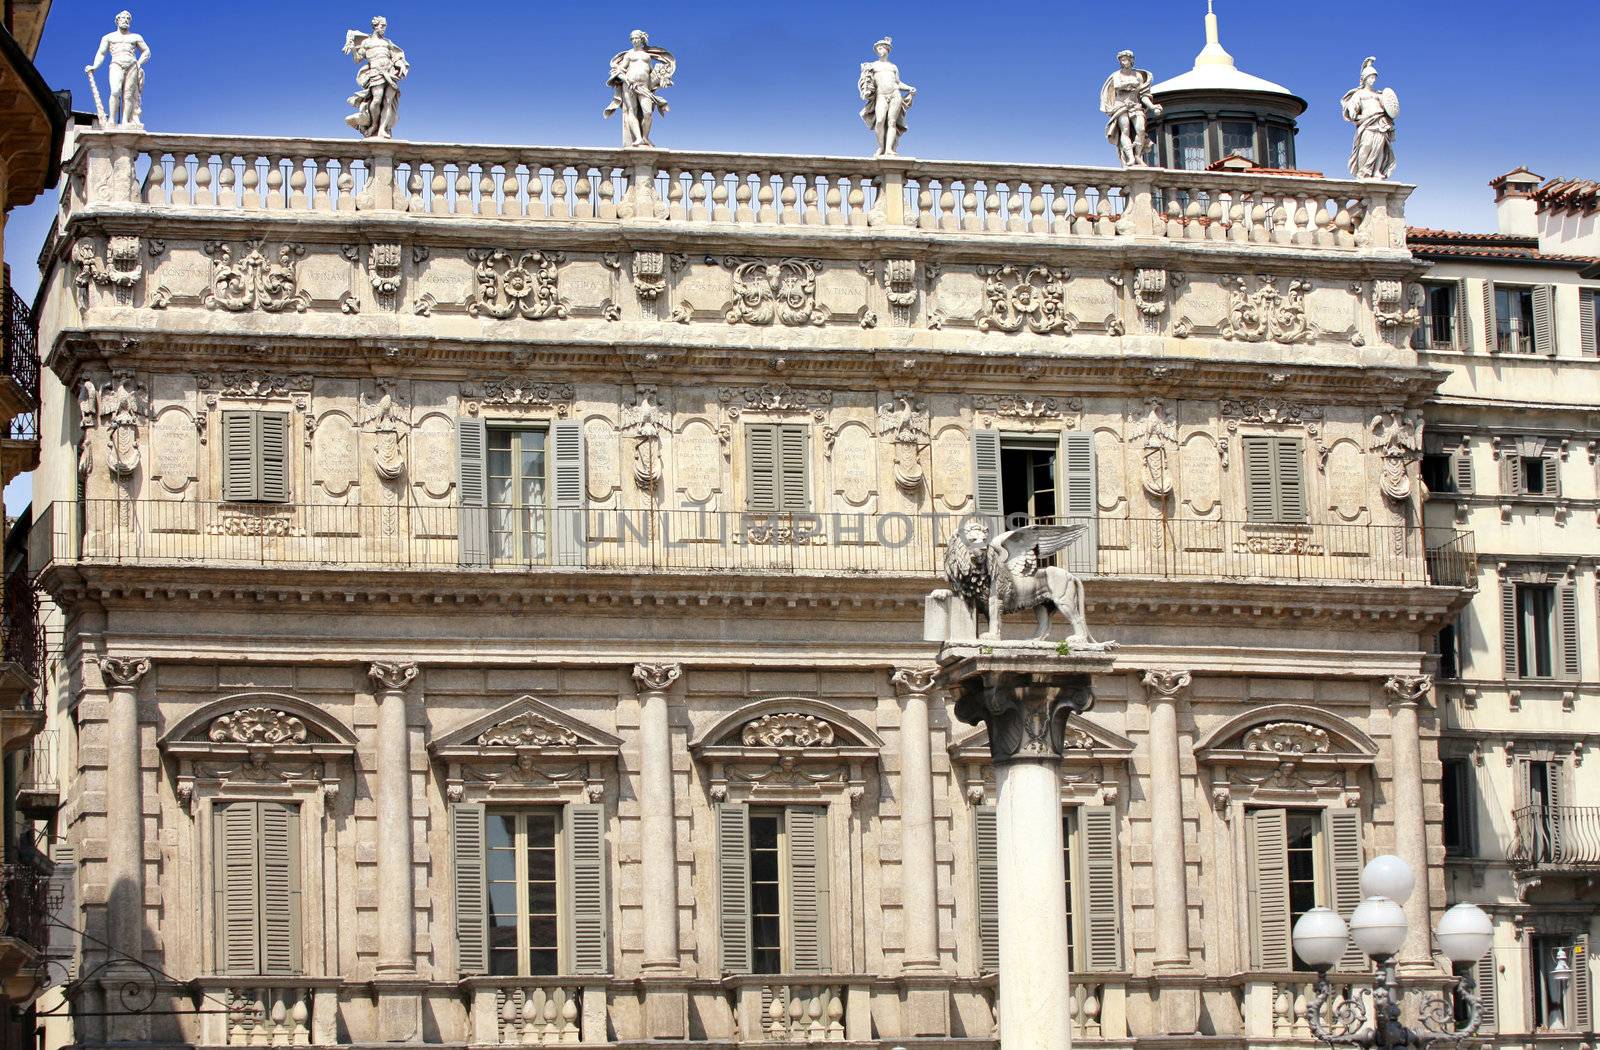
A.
pixel 492 585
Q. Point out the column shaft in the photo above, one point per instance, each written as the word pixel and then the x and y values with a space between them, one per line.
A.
pixel 658 857
pixel 1166 831
pixel 1410 832
pixel 396 898
pixel 1034 961
pixel 919 902
pixel 124 822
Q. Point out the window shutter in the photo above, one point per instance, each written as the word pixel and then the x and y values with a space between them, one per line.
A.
pixel 274 458
pixel 1484 973
pixel 794 467
pixel 1508 629
pixel 1460 331
pixel 805 828
pixel 568 482
pixel 1570 662
pixel 986 495
pixel 733 886
pixel 471 886
pixel 472 492
pixel 237 891
pixel 1511 470
pixel 1555 798
pixel 1077 499
pixel 1582 988
pixel 586 875
pixel 280 888
pixel 1490 344
pixel 1422 335
pixel 1097 828
pixel 1552 474
pixel 1260 495
pixel 1269 897
pixel 1544 328
pixel 238 456
pixel 986 842
pixel 1345 859
pixel 1461 464
pixel 1289 465
pixel 1588 305
pixel 761 466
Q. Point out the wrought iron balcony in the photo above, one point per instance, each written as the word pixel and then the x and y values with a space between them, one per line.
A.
pixel 1554 839
pixel 448 537
pixel 19 378
pixel 38 788
pixel 22 635
pixel 27 904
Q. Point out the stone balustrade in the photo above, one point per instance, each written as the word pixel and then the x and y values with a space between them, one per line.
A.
pixel 532 1011
pixel 1275 1006
pixel 817 1009
pixel 578 185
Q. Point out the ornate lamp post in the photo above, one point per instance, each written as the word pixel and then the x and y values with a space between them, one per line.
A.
pixel 1378 927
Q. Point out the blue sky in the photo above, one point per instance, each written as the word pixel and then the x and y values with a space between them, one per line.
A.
pixel 1484 86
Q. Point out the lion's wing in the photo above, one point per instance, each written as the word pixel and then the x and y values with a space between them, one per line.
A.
pixel 1047 538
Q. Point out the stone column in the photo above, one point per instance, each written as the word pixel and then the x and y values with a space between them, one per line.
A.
pixel 1024 694
pixel 919 900
pixel 399 1004
pixel 1180 1006
pixel 658 849
pixel 124 794
pixel 1406 695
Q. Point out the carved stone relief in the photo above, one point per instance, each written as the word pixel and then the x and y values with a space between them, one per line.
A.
pixel 646 421
pixel 697 461
pixel 256 281
pixel 1347 480
pixel 333 459
pixel 787 729
pixel 776 398
pixel 516 285
pixel 952 467
pixel 900 289
pixel 1277 412
pixel 1267 314
pixel 384 421
pixel 650 272
pixel 528 730
pixel 1021 408
pixel 517 392
pixel 784 292
pixel 1200 467
pixel 1397 439
pixel 119 270
pixel 384 270
pixel 1155 438
pixel 174 450
pixel 1392 307
pixel 854 461
pixel 904 420
pixel 257 384
pixel 1032 297
pixel 1111 474
pixel 603 473
pixel 257 725
pixel 1287 738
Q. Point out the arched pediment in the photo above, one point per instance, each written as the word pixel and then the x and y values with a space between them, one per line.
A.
pixel 787 723
pixel 1287 730
pixel 257 719
pixel 526 723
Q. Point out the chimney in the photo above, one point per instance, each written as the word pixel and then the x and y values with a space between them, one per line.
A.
pixel 1513 200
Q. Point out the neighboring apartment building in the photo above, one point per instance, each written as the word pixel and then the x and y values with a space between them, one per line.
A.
pixel 1512 446
pixel 32 126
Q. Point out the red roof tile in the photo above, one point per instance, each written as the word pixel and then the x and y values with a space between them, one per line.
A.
pixel 1431 244
pixel 1582 195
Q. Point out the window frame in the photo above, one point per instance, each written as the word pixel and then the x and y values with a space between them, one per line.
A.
pixel 1427 334
pixel 1526 618
pixel 1516 335
pixel 530 525
pixel 259 486
pixel 1275 513
pixel 563 884
pixel 1458 793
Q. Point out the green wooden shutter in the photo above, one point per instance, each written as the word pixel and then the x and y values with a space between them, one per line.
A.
pixel 280 889
pixel 1544 328
pixel 987 866
pixel 1485 972
pixel 806 829
pixel 1582 989
pixel 794 467
pixel 1509 629
pixel 239 456
pixel 586 875
pixel 472 491
pixel 1076 499
pixel 1460 330
pixel 1270 948
pixel 1461 465
pixel 733 886
pixel 1289 475
pixel 237 890
pixel 1097 830
pixel 987 498
pixel 1569 663
pixel 1260 495
pixel 273 464
pixel 761 466
pixel 1490 344
pixel 568 482
pixel 1345 862
pixel 471 888
pixel 1588 305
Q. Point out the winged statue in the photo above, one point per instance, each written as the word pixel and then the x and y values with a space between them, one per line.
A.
pixel 1003 574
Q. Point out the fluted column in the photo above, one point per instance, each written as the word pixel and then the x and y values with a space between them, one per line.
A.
pixel 919 899
pixel 124 841
pixel 396 899
pixel 658 850
pixel 1166 819
pixel 1406 695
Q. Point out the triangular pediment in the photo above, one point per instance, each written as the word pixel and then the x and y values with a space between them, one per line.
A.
pixel 527 722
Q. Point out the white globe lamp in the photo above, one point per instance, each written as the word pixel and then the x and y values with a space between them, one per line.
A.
pixel 1464 933
pixel 1320 937
pixel 1378 926
pixel 1388 876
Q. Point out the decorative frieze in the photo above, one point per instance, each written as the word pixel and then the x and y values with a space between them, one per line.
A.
pixel 1276 411
pixel 257 725
pixel 650 272
pixel 255 281
pixel 1287 738
pixel 384 272
pixel 522 285
pixel 120 269
pixel 900 289
pixel 776 398
pixel 784 292
pixel 1032 297
pixel 1390 307
pixel 1266 314
pixel 1025 409
pixel 517 392
pixel 786 729
pixel 258 384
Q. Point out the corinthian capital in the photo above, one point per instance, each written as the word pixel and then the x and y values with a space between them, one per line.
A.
pixel 916 680
pixel 1166 684
pixel 656 678
pixel 392 676
pixel 1408 688
pixel 123 670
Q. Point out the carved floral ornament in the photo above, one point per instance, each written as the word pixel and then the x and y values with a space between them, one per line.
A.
pixel 526 749
pixel 528 730
pixel 119 269
pixel 257 280
pixel 257 725
pixel 1032 297
pixel 1287 738
pixel 783 292
pixel 787 729
pixel 265 742
pixel 516 285
pixel 1266 313
pixel 776 398
pixel 517 392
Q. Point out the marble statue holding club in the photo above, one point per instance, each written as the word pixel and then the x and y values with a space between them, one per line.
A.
pixel 125 77
pixel 1125 99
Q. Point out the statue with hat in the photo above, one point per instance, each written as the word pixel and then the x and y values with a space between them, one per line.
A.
pixel 1125 98
pixel 1373 112
pixel 885 110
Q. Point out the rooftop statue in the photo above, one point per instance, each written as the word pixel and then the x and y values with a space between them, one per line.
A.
pixel 637 74
pixel 378 100
pixel 1003 574
pixel 885 110
pixel 1373 113
pixel 1124 98
pixel 125 78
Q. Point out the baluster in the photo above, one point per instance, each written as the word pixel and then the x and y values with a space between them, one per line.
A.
pixel 274 198
pixel 835 1015
pixel 797 1014
pixel 260 1035
pixel 560 188
pixel 677 195
pixel 741 195
pixel 1082 225
pixel 202 181
pixel 584 193
pixel 153 190
pixel 180 179
pixel 297 184
pixel 697 198
pixel 1039 207
pixel 570 1031
pixel 1259 230
pixel 1214 229
pixel 947 219
pixel 777 1023
pixel 226 198
pixel 486 203
pixel 788 201
pixel 607 206
pixel 533 197
pixel 321 186
pixel 1102 208
pixel 251 183
pixel 300 1018
pixel 279 1030
pixel 1015 194
pixel 764 197
pixel 857 200
pixel 717 188
pixel 530 1017
pixel 816 1031
pixel 1302 218
pixel 991 208
pixel 463 186
pixel 509 1013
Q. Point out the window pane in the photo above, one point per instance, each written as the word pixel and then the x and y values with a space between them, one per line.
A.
pixel 1278 148
pixel 766 895
pixel 500 830
pixel 544 962
pixel 1536 613
pixel 1533 475
pixel 1189 146
pixel 1238 138
pixel 1302 863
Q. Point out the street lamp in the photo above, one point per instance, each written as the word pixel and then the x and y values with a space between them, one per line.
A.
pixel 1560 974
pixel 1378 928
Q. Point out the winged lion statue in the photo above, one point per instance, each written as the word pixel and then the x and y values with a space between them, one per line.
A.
pixel 1003 574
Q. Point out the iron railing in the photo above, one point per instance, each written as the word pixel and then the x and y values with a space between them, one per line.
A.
pixel 37 770
pixel 1556 838
pixel 22 641
pixel 27 903
pixel 19 333
pixel 402 537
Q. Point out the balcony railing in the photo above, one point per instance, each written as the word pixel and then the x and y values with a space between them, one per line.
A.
pixel 387 537
pixel 19 333
pixel 1557 838
pixel 27 904
pixel 36 773
pixel 22 639
pixel 584 185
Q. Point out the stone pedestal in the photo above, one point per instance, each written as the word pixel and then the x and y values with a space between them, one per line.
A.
pixel 1024 693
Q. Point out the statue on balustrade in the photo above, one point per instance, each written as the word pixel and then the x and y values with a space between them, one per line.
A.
pixel 125 78
pixel 1003 574
pixel 637 76
pixel 1373 113
pixel 885 110
pixel 378 100
pixel 1125 98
